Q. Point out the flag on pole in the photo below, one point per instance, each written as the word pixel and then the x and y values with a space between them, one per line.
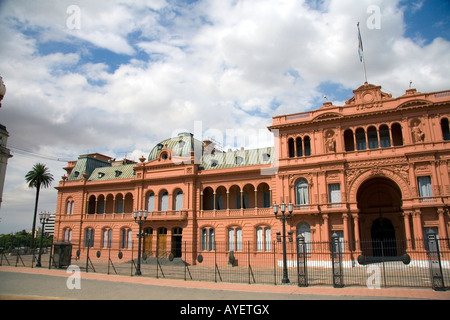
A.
pixel 361 53
pixel 360 45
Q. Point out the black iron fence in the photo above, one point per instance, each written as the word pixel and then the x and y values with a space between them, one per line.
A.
pixel 375 264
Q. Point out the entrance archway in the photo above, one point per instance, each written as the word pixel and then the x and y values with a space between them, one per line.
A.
pixel 380 219
pixel 384 242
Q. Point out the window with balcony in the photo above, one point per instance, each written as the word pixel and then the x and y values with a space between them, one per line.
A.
pixel 397 136
pixel 349 140
pixel 360 139
pixel 385 137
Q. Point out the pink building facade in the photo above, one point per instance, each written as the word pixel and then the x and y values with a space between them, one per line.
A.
pixel 374 169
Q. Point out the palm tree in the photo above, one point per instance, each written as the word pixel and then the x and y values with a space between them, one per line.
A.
pixel 38 177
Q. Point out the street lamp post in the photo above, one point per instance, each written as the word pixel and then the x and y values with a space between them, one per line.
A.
pixel 139 218
pixel 283 218
pixel 43 217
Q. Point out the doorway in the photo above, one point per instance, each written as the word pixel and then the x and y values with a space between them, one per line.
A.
pixel 383 238
pixel 162 242
pixel 177 246
pixel 148 240
pixel 380 220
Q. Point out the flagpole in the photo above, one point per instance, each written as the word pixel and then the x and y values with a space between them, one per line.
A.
pixel 361 52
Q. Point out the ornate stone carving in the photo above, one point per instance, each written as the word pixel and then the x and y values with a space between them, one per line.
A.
pixel 330 142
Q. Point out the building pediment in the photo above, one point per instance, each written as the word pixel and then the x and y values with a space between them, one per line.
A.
pixel 414 104
pixel 368 94
pixel 328 116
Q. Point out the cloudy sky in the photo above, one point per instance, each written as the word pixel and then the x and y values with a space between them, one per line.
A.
pixel 117 77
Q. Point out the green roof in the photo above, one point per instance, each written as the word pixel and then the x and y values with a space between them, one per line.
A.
pixel 113 173
pixel 238 158
pixel 86 164
pixel 181 146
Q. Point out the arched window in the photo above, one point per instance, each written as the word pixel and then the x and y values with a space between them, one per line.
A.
pixel 307 143
pixel 68 235
pixel 445 129
pixel 397 136
pixel 126 238
pixel 348 140
pixel 385 137
pixel 89 237
pixel 301 191
pixel 360 139
pixel 235 239
pixel 179 200
pixel 107 238
pixel 263 239
pixel 164 201
pixel 372 137
pixel 298 144
pixel 69 207
pixel 119 203
pixel 91 204
pixel 101 204
pixel 151 202
pixel 208 239
pixel 291 148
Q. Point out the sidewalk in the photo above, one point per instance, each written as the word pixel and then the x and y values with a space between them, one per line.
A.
pixel 297 292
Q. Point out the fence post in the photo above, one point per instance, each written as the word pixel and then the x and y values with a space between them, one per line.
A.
pixel 437 278
pixel 336 257
pixel 301 261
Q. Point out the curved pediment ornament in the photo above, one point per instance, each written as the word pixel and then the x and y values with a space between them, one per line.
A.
pixel 328 116
pixel 368 96
pixel 398 174
pixel 414 104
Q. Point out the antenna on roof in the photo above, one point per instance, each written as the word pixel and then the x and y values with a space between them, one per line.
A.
pixel 217 145
pixel 125 153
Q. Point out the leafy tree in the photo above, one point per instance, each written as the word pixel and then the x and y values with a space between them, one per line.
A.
pixel 39 177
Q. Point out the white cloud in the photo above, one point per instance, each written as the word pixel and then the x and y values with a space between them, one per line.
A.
pixel 229 64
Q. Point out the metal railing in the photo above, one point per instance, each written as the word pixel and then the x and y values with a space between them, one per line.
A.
pixel 394 263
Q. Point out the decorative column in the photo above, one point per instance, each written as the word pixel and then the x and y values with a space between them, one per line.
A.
pixel 442 228
pixel 326 227
pixel 417 222
pixel 346 235
pixel 406 215
pixel 356 232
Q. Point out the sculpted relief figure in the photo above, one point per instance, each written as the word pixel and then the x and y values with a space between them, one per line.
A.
pixel 330 143
pixel 418 135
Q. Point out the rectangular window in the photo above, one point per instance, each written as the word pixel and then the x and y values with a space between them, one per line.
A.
pixel 424 184
pixel 334 193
